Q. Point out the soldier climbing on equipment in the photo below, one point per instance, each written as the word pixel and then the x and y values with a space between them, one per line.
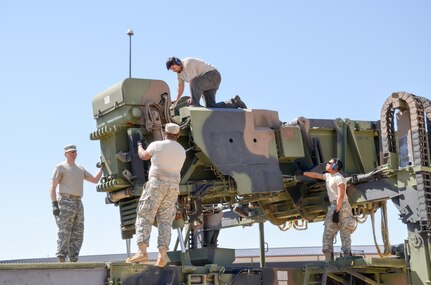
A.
pixel 204 80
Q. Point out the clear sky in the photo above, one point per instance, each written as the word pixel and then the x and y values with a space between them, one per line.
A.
pixel 317 59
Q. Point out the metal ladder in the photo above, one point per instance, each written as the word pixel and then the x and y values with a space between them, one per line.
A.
pixel 314 273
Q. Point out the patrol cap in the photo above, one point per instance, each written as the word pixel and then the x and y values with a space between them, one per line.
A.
pixel 172 128
pixel 69 148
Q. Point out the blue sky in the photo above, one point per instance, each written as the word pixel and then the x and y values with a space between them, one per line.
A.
pixel 316 59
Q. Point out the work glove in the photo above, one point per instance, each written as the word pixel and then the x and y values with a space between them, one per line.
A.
pixel 336 216
pixel 55 208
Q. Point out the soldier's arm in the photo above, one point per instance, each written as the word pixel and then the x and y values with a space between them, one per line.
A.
pixel 314 175
pixel 52 193
pixel 95 179
pixel 180 89
pixel 341 193
pixel 142 152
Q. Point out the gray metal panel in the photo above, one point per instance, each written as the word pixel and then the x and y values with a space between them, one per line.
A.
pixel 63 276
pixel 238 147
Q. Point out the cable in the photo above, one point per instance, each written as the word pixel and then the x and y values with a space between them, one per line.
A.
pixel 384 230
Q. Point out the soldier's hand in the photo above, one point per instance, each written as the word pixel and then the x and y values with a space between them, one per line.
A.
pixel 336 216
pixel 299 177
pixel 299 174
pixel 55 208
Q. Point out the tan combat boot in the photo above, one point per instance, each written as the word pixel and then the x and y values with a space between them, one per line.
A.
pixel 162 259
pixel 329 256
pixel 141 256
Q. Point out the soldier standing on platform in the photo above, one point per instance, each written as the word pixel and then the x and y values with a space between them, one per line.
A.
pixel 339 211
pixel 67 207
pixel 160 194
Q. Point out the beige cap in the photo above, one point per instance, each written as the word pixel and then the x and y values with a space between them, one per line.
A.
pixel 69 148
pixel 172 128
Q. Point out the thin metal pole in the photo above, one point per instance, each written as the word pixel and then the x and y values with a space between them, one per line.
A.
pixel 130 56
pixel 262 245
pixel 128 247
pixel 130 34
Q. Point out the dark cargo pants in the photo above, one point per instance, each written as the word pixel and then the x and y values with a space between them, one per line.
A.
pixel 206 85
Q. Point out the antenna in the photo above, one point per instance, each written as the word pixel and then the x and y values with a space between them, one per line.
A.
pixel 130 34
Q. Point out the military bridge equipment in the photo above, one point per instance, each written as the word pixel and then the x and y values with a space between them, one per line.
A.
pixel 244 166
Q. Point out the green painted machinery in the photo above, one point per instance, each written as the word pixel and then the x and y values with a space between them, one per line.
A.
pixel 243 166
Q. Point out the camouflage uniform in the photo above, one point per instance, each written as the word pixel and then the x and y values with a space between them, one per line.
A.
pixel 157 204
pixel 70 224
pixel 331 229
pixel 69 177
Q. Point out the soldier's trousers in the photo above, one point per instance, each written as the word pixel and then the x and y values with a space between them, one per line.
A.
pixel 206 85
pixel 70 224
pixel 331 229
pixel 157 204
